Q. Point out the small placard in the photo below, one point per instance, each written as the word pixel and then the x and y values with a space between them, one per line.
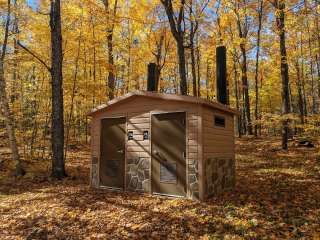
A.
pixel 130 135
pixel 146 135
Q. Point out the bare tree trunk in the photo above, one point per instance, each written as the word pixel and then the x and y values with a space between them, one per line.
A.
pixel 243 32
pixel 192 53
pixel 73 94
pixel 198 71
pixel 313 91
pixel 246 88
pixel 5 109
pixel 15 53
pixel 280 6
pixel 303 79
pixel 110 28
pixel 300 97
pixel 182 68
pixel 260 13
pixel 57 138
pixel 236 91
pixel 318 53
pixel 318 70
pixel 178 34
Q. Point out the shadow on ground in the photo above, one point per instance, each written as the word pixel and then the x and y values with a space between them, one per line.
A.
pixel 276 197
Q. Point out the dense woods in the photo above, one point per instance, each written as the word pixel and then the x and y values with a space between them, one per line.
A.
pixel 105 47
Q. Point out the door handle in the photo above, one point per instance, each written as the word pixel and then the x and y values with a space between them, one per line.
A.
pixel 121 151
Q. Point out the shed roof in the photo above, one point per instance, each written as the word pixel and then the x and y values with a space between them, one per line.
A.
pixel 165 96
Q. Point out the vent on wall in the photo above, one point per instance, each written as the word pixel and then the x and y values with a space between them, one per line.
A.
pixel 219 121
pixel 168 173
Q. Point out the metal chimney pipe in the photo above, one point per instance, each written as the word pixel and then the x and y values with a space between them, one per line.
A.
pixel 221 55
pixel 152 84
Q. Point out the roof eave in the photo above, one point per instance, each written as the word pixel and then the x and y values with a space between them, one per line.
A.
pixel 181 98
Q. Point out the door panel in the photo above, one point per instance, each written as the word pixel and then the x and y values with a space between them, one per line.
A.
pixel 168 154
pixel 112 160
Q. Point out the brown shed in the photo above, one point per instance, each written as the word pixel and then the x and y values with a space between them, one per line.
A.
pixel 163 144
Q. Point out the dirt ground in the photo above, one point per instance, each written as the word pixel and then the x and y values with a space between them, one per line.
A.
pixel 277 196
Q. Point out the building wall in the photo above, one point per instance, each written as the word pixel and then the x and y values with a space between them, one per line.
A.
pixel 138 111
pixel 218 152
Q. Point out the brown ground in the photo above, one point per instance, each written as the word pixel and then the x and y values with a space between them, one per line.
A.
pixel 277 197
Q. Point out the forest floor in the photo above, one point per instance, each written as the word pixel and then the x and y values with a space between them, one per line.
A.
pixel 277 196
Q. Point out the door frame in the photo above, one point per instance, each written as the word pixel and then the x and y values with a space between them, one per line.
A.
pixel 125 154
pixel 152 113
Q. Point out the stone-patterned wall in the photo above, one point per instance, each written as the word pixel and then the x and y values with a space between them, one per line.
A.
pixel 193 178
pixel 94 176
pixel 193 135
pixel 138 175
pixel 220 175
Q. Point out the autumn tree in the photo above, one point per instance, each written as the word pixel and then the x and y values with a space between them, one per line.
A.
pixel 111 12
pixel 280 7
pixel 58 168
pixel 256 80
pixel 176 20
pixel 5 108
pixel 243 25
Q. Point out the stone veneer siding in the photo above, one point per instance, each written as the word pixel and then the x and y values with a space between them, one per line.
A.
pixel 138 175
pixel 94 176
pixel 220 175
pixel 193 178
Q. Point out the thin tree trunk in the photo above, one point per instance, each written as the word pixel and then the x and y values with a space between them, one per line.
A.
pixel 182 68
pixel 198 72
pixel 236 91
pixel 303 79
pixel 193 71
pixel 284 72
pixel 110 28
pixel 57 138
pixel 207 79
pixel 244 69
pixel 73 94
pixel 260 11
pixel 178 34
pixel 19 171
pixel 15 53
pixel 246 88
pixel 313 92
pixel 35 120
pixel 318 53
pixel 300 97
pixel 318 70
pixel 192 53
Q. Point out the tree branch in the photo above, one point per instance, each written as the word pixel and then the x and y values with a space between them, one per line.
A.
pixel 35 56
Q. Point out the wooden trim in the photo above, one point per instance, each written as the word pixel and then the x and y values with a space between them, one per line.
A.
pixel 125 154
pixel 99 149
pixel 201 159
pixel 150 151
pixel 112 189
pixel 169 196
pixel 151 165
pixel 188 192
